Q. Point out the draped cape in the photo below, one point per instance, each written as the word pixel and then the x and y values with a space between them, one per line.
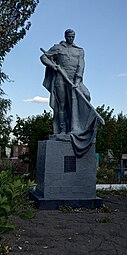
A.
pixel 83 116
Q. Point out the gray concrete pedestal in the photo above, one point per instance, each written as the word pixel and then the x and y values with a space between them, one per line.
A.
pixel 64 179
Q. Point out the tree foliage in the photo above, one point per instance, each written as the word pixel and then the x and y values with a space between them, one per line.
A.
pixel 13 24
pixel 5 122
pixel 30 131
pixel 105 133
pixel 113 135
pixel 120 137
pixel 13 27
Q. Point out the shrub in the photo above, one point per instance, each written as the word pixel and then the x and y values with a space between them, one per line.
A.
pixel 13 198
pixel 105 175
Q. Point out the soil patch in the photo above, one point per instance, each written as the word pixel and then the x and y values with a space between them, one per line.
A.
pixel 86 232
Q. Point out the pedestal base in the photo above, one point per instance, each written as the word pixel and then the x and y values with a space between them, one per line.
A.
pixel 42 203
pixel 64 179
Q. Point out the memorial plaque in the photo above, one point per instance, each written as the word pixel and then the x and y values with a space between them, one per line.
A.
pixel 69 164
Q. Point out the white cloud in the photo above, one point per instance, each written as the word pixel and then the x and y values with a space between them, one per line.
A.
pixel 120 75
pixel 37 99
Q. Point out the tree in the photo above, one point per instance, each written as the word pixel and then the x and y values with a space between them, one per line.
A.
pixel 105 133
pixel 30 131
pixel 13 25
pixel 120 137
pixel 113 135
pixel 5 122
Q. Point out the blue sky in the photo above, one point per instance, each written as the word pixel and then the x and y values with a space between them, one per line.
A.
pixel 100 27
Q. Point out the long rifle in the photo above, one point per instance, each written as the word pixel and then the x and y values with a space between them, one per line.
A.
pixel 63 73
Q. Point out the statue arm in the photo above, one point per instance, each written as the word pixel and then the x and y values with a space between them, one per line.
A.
pixel 48 58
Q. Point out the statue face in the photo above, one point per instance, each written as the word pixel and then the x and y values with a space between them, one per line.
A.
pixel 70 38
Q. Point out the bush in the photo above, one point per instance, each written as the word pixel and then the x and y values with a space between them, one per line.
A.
pixel 13 199
pixel 105 175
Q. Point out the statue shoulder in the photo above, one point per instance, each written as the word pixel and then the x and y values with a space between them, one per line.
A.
pixel 54 49
pixel 55 46
pixel 81 51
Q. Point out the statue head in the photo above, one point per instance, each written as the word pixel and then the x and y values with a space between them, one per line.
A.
pixel 69 36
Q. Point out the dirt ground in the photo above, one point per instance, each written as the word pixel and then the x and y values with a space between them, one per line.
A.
pixel 93 232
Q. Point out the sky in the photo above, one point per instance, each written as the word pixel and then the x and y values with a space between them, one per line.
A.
pixel 100 27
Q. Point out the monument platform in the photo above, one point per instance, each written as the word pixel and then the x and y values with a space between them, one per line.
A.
pixel 63 179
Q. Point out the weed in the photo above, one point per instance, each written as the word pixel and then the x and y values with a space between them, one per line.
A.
pixel 105 219
pixel 119 193
pixel 66 209
pixel 69 209
pixel 103 209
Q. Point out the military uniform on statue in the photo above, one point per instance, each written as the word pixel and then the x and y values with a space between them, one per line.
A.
pixel 66 164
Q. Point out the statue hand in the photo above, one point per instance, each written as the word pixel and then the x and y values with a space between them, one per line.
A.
pixel 55 67
pixel 76 85
pixel 77 82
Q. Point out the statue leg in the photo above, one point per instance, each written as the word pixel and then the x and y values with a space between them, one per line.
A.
pixel 61 100
pixel 62 122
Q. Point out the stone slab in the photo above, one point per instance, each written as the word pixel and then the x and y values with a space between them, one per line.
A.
pixel 42 203
pixel 64 179
pixel 61 175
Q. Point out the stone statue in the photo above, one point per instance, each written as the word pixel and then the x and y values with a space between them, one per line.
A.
pixel 69 98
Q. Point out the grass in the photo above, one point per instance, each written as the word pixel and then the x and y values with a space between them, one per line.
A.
pixel 119 193
pixel 105 219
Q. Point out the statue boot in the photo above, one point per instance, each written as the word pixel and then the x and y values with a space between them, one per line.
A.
pixel 62 122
